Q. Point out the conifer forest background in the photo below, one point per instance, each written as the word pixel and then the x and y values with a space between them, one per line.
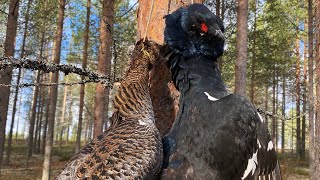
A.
pixel 276 66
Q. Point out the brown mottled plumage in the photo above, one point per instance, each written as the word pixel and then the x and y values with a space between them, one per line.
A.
pixel 131 148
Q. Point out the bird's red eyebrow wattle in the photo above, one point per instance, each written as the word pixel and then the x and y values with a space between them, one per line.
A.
pixel 204 28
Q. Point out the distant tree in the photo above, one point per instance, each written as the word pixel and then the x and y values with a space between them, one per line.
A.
pixel 310 87
pixel 242 35
pixel 53 92
pixel 6 75
pixel 84 65
pixel 297 94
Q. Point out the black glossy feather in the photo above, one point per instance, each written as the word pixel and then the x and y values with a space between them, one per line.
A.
pixel 216 135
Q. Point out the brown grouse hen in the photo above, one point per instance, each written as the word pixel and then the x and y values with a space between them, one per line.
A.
pixel 131 148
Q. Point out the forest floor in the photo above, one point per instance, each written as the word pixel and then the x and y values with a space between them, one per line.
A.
pixel 291 168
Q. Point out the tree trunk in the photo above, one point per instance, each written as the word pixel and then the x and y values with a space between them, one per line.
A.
pixel 41 118
pixel 253 64
pixel 32 120
pixel 17 126
pixel 104 65
pixel 45 125
pixel 297 94
pixel 163 93
pixel 310 89
pixel 18 82
pixel 54 93
pixel 37 129
pixel 84 65
pixel 266 104
pixel 273 124
pixel 304 100
pixel 317 111
pixel 218 3
pixel 69 118
pixel 242 35
pixel 62 120
pixel 277 109
pixel 283 113
pixel 6 75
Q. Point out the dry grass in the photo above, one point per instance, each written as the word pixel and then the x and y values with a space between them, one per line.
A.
pixel 291 167
pixel 16 170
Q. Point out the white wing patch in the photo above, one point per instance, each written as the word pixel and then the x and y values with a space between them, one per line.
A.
pixel 270 146
pixel 210 97
pixel 252 165
pixel 261 119
pixel 258 143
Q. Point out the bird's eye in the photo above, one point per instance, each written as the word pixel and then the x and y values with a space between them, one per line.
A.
pixel 204 28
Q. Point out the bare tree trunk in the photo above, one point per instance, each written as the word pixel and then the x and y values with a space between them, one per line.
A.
pixel 104 65
pixel 304 99
pixel 283 113
pixel 18 82
pixel 6 75
pixel 163 93
pixel 37 129
pixel 17 128
pixel 218 3
pixel 45 125
pixel 253 64
pixel 277 109
pixel 242 35
pixel 69 118
pixel 266 104
pixel 32 120
pixel 54 94
pixel 62 120
pixel 310 89
pixel 316 172
pixel 41 119
pixel 84 65
pixel 298 98
pixel 273 124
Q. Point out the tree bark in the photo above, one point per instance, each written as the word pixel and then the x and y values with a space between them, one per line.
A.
pixel 6 75
pixel 266 104
pixel 45 125
pixel 297 94
pixel 41 117
pixel 273 124
pixel 14 109
pixel 283 113
pixel 32 120
pixel 241 45
pixel 104 65
pixel 37 129
pixel 84 65
pixel 316 172
pixel 17 126
pixel 304 99
pixel 163 93
pixel 254 54
pixel 310 89
pixel 62 120
pixel 54 94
